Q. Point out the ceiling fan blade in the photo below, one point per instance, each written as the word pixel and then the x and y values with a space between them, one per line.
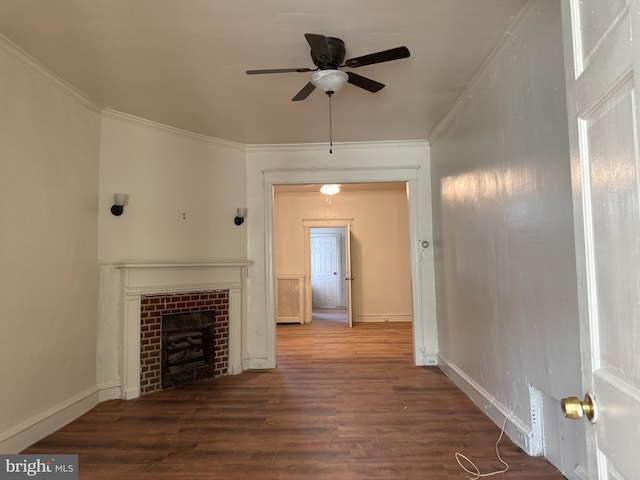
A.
pixel 364 82
pixel 281 70
pixel 379 57
pixel 319 46
pixel 305 92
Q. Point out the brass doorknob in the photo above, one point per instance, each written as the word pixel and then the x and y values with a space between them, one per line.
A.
pixel 575 409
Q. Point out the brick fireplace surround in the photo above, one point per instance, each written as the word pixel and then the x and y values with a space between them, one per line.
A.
pixel 150 289
pixel 152 307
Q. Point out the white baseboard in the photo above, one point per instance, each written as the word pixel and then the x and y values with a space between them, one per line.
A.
pixel 131 393
pixel 109 391
pixel 235 369
pixel 388 318
pixel 260 364
pixel 246 363
pixel 27 433
pixel 427 359
pixel 581 472
pixel 516 430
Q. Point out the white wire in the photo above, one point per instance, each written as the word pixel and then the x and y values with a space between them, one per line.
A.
pixel 477 473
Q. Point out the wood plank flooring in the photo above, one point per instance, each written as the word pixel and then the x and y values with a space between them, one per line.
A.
pixel 343 404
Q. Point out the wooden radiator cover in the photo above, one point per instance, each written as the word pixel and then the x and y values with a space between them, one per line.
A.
pixel 290 299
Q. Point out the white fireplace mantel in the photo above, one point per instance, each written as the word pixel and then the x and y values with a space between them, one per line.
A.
pixel 138 279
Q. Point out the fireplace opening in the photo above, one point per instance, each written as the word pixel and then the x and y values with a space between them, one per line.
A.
pixel 187 348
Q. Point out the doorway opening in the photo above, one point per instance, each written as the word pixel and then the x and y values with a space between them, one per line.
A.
pixel 327 274
pixel 373 219
pixel 278 259
pixel 329 271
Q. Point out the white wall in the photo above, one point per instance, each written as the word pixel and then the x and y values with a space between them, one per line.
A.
pixel 348 163
pixel 505 260
pixel 49 139
pixel 166 171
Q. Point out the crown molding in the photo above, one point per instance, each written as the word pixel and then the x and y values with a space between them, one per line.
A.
pixel 107 112
pixel 19 54
pixel 314 147
pixel 509 40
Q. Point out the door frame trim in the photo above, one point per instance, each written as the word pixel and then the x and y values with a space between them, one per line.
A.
pixel 351 175
pixel 308 224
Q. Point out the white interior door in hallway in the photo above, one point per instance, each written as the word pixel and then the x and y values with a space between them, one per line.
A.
pixel 603 64
pixel 341 251
pixel 326 272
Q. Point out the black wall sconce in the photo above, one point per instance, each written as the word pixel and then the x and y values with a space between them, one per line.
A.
pixel 239 220
pixel 120 201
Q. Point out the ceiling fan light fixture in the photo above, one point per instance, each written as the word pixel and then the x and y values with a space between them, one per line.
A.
pixel 329 80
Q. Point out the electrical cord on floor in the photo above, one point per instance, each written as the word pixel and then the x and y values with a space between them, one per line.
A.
pixel 477 473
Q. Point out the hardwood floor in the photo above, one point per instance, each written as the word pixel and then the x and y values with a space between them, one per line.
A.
pixel 342 404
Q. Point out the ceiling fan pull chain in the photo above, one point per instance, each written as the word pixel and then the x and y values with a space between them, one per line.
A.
pixel 330 126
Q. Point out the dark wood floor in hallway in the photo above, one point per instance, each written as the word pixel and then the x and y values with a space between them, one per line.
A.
pixel 342 404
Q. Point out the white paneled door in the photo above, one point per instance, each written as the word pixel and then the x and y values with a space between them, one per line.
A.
pixel 325 274
pixel 602 53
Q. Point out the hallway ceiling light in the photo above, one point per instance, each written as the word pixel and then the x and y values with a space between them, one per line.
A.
pixel 330 189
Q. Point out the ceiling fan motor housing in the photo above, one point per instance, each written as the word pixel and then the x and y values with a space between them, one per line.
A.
pixel 327 54
pixel 337 51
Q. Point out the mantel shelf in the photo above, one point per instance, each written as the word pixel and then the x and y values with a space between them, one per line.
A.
pixel 152 265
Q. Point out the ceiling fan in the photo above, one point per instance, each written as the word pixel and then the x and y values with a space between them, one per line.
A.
pixel 327 54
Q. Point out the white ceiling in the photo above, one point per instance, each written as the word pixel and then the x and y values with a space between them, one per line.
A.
pixel 182 62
